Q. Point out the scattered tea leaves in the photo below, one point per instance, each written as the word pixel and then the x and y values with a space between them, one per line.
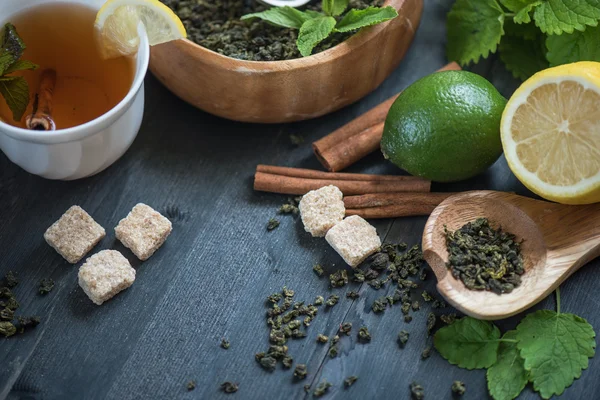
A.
pixel 319 300
pixel 403 338
pixel 10 279
pixel 379 305
pixel 352 295
pixel 346 327
pixel 363 334
pixel 416 391
pixel 191 385
pixel 46 286
pixel 287 362
pixel 339 278
pixel 349 381
pixel 333 351
pixel 296 139
pixel 229 387
pixel 322 388
pixel 272 224
pixel 300 371
pixel 458 388
pixel 322 338
pixel 468 343
pixel 448 318
pixel 426 353
pixel 225 344
pixel 332 300
pixel 7 328
pixel 431 320
pixel 318 270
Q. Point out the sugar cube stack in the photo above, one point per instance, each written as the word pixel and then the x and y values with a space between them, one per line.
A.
pixel 321 209
pixel 143 231
pixel 74 234
pixel 354 239
pixel 105 274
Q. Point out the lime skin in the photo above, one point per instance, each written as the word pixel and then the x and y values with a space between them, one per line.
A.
pixel 445 127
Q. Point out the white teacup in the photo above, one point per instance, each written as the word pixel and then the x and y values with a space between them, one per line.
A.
pixel 86 149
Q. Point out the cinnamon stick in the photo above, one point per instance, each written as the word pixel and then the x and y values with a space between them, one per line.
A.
pixel 41 118
pixel 393 205
pixel 298 181
pixel 357 138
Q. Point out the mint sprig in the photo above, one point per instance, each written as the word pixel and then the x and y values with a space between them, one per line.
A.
pixel 314 27
pixel 548 348
pixel 565 31
pixel 14 89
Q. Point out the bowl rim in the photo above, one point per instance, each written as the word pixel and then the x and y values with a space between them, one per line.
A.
pixel 337 51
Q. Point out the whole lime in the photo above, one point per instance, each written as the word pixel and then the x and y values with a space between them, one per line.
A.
pixel 445 127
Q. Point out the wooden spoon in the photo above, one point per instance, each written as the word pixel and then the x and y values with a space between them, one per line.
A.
pixel 558 240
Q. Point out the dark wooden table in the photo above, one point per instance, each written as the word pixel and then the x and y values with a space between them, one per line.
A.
pixel 210 279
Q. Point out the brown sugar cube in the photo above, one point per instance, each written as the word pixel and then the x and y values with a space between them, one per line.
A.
pixel 74 234
pixel 354 239
pixel 321 209
pixel 143 231
pixel 105 274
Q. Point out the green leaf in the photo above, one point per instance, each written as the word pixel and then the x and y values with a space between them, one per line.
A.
pixel 556 348
pixel 522 9
pixel 469 343
pixel 327 6
pixel 15 91
pixel 523 57
pixel 578 46
pixel 313 32
pixel 474 30
pixel 557 16
pixel 339 6
pixel 286 17
pixel 356 19
pixel 507 377
pixel 11 48
pixel 21 65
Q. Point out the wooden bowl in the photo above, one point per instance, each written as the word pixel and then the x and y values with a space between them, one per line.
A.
pixel 293 90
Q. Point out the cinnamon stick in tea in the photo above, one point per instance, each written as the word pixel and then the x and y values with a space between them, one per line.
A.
pixel 359 137
pixel 393 205
pixel 298 181
pixel 41 118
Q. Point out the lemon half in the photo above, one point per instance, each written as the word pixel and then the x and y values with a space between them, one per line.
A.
pixel 550 133
pixel 117 22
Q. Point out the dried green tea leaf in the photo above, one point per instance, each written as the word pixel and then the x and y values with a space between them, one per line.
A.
pixel 191 385
pixel 363 334
pixel 416 391
pixel 46 286
pixel 507 378
pixel 322 388
pixel 10 279
pixel 556 348
pixel 272 224
pixel 229 387
pixel 469 343
pixel 7 328
pixel 225 344
pixel 459 388
pixel 300 371
pixel 403 338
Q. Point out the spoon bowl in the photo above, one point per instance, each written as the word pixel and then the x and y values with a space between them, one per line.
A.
pixel 557 240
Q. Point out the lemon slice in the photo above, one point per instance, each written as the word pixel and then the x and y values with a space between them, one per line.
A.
pixel 117 22
pixel 550 133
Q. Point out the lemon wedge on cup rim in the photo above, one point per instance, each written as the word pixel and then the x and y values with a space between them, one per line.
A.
pixel 117 22
pixel 550 133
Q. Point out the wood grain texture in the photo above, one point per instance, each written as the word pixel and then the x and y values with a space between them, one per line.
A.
pixel 557 241
pixel 211 277
pixel 291 90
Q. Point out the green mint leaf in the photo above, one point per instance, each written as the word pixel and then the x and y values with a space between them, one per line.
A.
pixel 469 343
pixel 339 6
pixel 15 91
pixel 11 47
pixel 475 28
pixel 356 19
pixel 286 17
pixel 556 348
pixel 327 6
pixel 507 378
pixel 21 65
pixel 313 32
pixel 522 52
pixel 557 16
pixel 522 9
pixel 578 46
